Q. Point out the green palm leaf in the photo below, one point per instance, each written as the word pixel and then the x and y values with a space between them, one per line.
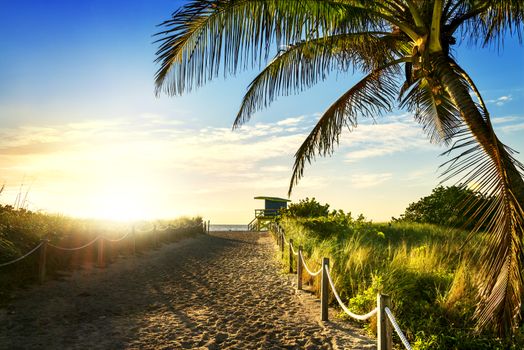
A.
pixel 433 109
pixel 304 64
pixel 370 97
pixel 206 34
pixel 492 169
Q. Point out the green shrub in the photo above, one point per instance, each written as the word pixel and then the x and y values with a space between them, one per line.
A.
pixel 306 208
pixel 454 206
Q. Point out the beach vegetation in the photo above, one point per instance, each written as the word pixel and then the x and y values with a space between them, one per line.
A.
pixel 21 230
pixel 446 206
pixel 431 276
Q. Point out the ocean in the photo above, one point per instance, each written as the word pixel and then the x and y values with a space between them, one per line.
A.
pixel 228 227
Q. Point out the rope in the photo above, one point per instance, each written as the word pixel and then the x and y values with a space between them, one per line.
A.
pixel 118 239
pixel 138 230
pixel 77 248
pixel 397 328
pixel 293 250
pixel 346 310
pixel 23 256
pixel 307 269
pixel 285 240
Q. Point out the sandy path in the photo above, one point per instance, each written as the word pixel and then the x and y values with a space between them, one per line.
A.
pixel 211 292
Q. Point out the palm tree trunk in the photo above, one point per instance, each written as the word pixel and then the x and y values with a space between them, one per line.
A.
pixel 502 285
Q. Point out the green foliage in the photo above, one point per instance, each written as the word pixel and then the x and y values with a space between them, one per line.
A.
pixel 419 265
pixel 454 206
pixel 306 208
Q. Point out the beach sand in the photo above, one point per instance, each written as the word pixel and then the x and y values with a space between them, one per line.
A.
pixel 220 291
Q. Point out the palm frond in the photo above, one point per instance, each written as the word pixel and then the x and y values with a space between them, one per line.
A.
pixel 487 21
pixel 432 108
pixel 488 165
pixel 204 35
pixel 370 97
pixel 304 64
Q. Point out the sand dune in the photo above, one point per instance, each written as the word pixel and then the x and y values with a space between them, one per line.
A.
pixel 223 291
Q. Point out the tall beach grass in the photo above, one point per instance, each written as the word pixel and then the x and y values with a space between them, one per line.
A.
pixel 426 269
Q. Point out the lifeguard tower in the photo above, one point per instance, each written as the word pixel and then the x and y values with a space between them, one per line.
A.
pixel 264 216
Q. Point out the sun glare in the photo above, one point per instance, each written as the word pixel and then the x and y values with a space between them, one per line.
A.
pixel 121 206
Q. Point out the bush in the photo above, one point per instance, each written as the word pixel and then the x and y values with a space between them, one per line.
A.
pixel 306 208
pixel 454 206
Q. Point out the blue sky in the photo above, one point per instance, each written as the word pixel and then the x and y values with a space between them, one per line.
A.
pixel 82 127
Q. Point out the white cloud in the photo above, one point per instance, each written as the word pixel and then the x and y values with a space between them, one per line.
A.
pixel 504 120
pixel 369 180
pixel 275 168
pixel 290 121
pixel 164 163
pixel 369 140
pixel 512 128
pixel 500 101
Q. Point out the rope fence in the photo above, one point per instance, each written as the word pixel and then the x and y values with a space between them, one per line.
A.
pixel 23 256
pixel 118 239
pixel 385 317
pixel 397 328
pixel 76 248
pixel 308 270
pixel 341 303
pixel 101 239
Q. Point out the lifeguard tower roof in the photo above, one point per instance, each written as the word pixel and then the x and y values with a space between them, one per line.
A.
pixel 273 199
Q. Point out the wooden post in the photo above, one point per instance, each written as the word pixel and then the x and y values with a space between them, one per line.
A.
pixel 384 341
pixel 324 290
pixel 155 237
pixel 299 268
pixel 290 255
pixel 208 226
pixel 282 244
pixel 100 253
pixel 133 240
pixel 42 261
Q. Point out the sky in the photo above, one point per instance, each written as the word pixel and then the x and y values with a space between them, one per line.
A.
pixel 83 134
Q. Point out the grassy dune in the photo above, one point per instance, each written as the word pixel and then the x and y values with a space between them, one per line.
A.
pixel 418 265
pixel 22 230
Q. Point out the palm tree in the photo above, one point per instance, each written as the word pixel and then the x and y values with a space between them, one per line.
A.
pixel 403 49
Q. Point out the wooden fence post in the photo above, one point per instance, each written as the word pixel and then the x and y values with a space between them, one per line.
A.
pixel 100 253
pixel 324 290
pixel 155 237
pixel 42 261
pixel 384 341
pixel 299 268
pixel 133 240
pixel 208 226
pixel 282 244
pixel 291 255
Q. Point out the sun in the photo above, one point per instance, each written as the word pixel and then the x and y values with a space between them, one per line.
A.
pixel 122 206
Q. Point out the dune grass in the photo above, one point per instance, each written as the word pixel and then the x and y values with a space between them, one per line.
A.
pixel 22 230
pixel 425 268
